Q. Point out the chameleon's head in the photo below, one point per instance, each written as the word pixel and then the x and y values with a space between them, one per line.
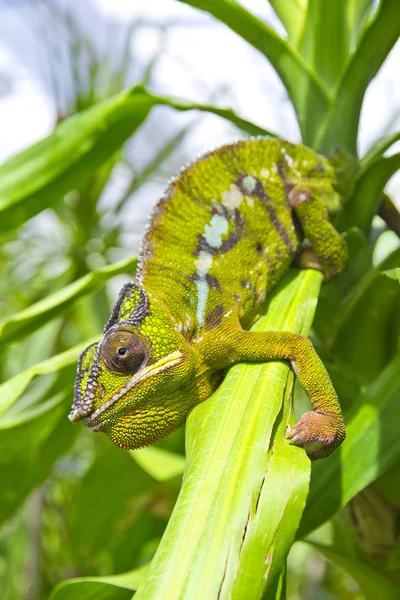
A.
pixel 136 383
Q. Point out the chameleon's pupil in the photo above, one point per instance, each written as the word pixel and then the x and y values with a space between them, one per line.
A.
pixel 122 351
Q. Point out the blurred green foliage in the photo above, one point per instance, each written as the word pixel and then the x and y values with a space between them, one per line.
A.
pixel 72 506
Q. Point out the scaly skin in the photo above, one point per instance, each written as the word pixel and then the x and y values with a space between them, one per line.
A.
pixel 223 235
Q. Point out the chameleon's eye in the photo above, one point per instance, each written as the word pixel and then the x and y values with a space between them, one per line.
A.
pixel 123 352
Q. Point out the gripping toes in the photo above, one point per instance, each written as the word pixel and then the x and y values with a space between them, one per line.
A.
pixel 319 434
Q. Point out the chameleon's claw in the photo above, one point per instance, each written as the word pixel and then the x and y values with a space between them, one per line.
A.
pixel 317 433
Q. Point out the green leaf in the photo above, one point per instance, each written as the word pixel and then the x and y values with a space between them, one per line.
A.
pixel 393 274
pixel 325 40
pixel 363 339
pixel 346 18
pixel 12 389
pixel 376 152
pixel 244 487
pixel 364 203
pixel 302 84
pixel 371 447
pixel 159 463
pixel 372 583
pixel 41 175
pixel 30 443
pixel 95 526
pixel 113 587
pixel 225 113
pixel 40 313
pixel 292 14
pixel 358 14
pixel 358 318
pixel 340 126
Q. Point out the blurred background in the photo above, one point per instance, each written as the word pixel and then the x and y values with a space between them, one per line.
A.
pixel 58 57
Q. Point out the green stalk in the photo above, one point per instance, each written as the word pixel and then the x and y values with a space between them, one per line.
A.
pixel 244 487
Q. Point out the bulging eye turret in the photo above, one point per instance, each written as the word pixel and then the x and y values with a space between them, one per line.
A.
pixel 123 352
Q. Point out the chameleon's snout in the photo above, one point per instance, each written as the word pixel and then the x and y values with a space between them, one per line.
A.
pixel 75 415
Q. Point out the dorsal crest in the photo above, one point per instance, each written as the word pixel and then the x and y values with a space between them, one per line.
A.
pixel 131 307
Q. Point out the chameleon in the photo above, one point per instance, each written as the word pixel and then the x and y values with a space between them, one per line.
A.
pixel 226 231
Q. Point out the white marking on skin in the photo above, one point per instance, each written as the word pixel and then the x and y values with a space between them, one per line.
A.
pixel 302 197
pixel 265 173
pixel 202 295
pixel 249 184
pixel 250 201
pixel 274 168
pixel 203 263
pixel 213 233
pixel 232 198
pixel 289 160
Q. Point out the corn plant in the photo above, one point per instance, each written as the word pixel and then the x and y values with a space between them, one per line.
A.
pixel 247 498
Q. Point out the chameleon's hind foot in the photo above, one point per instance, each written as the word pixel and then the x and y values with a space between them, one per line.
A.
pixel 319 434
pixel 308 259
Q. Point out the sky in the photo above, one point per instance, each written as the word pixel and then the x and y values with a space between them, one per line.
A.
pixel 201 60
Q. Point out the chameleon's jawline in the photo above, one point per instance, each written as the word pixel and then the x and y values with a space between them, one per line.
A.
pixel 171 360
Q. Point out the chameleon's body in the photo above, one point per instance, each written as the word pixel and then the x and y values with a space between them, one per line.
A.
pixel 223 235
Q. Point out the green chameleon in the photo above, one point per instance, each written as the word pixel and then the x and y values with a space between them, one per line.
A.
pixel 223 235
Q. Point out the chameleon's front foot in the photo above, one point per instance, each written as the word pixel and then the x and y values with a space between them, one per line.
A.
pixel 319 434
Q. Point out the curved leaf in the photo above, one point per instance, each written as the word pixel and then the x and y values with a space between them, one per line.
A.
pixel 40 313
pixel 377 151
pixel 364 203
pixel 42 174
pixel 13 388
pixel 225 113
pixel 159 463
pixel 113 587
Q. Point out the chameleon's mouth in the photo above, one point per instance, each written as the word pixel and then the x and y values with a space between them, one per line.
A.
pixel 165 363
